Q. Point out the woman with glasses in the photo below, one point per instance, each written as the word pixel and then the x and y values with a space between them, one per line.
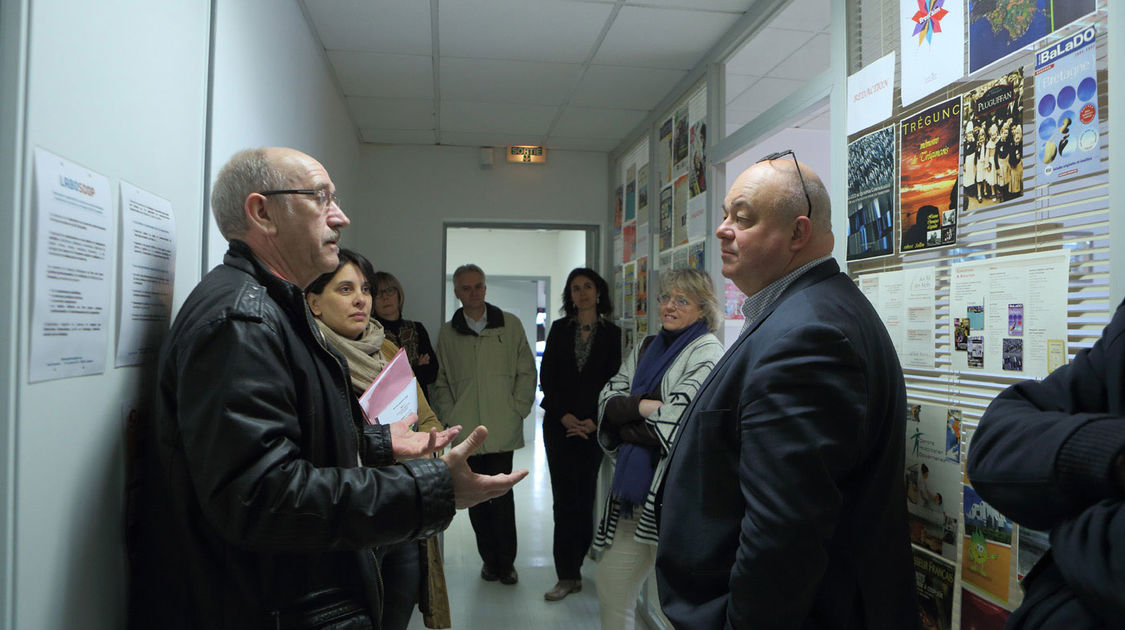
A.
pixel 639 420
pixel 583 350
pixel 341 303
pixel 412 336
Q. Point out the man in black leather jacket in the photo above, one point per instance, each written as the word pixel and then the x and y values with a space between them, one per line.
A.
pixel 262 491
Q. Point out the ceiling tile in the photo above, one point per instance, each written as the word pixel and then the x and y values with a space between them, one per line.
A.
pixel 730 6
pixel 761 96
pixel 662 38
pixel 505 117
pixel 823 122
pixel 493 139
pixel 567 143
pixel 765 50
pixel 392 26
pixel 503 81
pixel 625 88
pixel 736 84
pixel 397 136
pixel 807 61
pixel 392 113
pixel 528 30
pixel 381 75
pixel 589 122
pixel 811 16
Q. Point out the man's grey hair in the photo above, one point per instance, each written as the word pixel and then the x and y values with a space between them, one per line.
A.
pixel 248 171
pixel 468 268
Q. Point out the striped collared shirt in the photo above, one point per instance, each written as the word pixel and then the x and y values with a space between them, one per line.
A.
pixel 755 305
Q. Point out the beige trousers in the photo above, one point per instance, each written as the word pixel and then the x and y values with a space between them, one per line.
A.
pixel 621 574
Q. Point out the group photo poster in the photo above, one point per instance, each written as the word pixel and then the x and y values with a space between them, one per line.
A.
pixel 932 42
pixel 1067 139
pixel 871 195
pixel 1012 313
pixel 929 143
pixel 987 556
pixel 998 28
pixel 933 481
pixel 992 142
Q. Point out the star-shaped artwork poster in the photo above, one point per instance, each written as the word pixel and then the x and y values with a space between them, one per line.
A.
pixel 933 46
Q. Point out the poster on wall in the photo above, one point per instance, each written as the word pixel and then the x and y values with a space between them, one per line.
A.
pixel 147 259
pixel 664 155
pixel 933 579
pixel 641 296
pixel 734 299
pixel 1014 312
pixel 618 210
pixel 680 258
pixel 697 141
pixel 665 260
pixel 630 234
pixel 680 211
pixel 932 42
pixel 977 613
pixel 999 28
pixel 1066 109
pixel 992 142
pixel 697 255
pixel 665 218
pixel 680 141
pixel 631 193
pixel 904 301
pixel 871 195
pixel 642 195
pixel 644 241
pixel 70 281
pixel 987 553
pixel 869 94
pixel 933 480
pixel 927 192
pixel 630 285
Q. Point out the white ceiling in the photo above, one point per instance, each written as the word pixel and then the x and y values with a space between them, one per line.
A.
pixel 568 74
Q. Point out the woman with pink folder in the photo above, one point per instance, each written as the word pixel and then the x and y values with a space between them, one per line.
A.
pixel 341 303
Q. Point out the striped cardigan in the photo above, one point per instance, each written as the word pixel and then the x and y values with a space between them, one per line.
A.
pixel 677 389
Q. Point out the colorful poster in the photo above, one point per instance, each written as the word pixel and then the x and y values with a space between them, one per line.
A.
pixel 998 28
pixel 697 141
pixel 628 306
pixel 933 482
pixel 641 295
pixel 642 195
pixel 644 241
pixel 666 218
pixel 734 300
pixel 905 303
pixel 933 579
pixel 630 232
pixel 978 613
pixel 680 210
pixel 871 211
pixel 696 256
pixel 928 176
pixel 932 41
pixel 1066 110
pixel 869 94
pixel 680 140
pixel 618 211
pixel 680 258
pixel 987 547
pixel 664 155
pixel 992 142
pixel 631 193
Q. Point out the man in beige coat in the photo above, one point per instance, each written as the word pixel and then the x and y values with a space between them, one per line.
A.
pixel 486 377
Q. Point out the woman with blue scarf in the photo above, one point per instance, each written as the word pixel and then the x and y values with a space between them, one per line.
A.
pixel 639 415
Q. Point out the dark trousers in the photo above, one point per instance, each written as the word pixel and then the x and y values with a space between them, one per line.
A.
pixel 574 464
pixel 401 568
pixel 494 522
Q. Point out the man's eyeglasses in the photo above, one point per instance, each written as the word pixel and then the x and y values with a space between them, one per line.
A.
pixel 679 303
pixel 323 195
pixel 789 152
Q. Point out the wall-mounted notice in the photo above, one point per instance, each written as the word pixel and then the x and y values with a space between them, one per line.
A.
pixel 1012 312
pixel 148 255
pixel 992 142
pixel 998 29
pixel 933 478
pixel 680 211
pixel 932 42
pixel 987 557
pixel 934 579
pixel 869 94
pixel 70 284
pixel 905 302
pixel 644 241
pixel 871 195
pixel 680 141
pixel 1066 109
pixel 927 195
pixel 664 154
pixel 666 218
pixel 642 194
pixel 697 143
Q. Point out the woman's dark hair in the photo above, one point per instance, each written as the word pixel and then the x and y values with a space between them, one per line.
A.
pixel 346 256
pixel 605 302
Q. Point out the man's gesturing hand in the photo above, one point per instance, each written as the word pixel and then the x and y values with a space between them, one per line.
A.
pixel 410 444
pixel 470 488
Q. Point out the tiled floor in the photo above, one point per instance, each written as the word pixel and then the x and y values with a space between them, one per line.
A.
pixel 480 605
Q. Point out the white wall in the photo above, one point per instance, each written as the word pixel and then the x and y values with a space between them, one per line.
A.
pixel 811 146
pixel 411 191
pixel 273 87
pixel 121 89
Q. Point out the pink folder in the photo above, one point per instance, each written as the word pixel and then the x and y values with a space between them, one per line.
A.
pixel 393 394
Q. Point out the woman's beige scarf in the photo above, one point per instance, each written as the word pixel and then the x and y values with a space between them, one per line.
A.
pixel 364 355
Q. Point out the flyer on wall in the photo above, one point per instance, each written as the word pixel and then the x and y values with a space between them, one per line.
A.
pixel 871 195
pixel 933 480
pixel 933 579
pixel 642 195
pixel 71 273
pixel 680 211
pixel 904 301
pixel 869 94
pixel 928 176
pixel 999 28
pixel 1066 109
pixel 680 141
pixel 734 299
pixel 992 142
pixel 148 257
pixel 696 255
pixel 630 285
pixel 697 142
pixel 618 210
pixel 664 155
pixel 630 233
pixel 987 554
pixel 932 41
pixel 641 296
pixel 977 613
pixel 644 241
pixel 631 192
pixel 665 218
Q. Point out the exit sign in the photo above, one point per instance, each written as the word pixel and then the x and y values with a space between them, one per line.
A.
pixel 527 155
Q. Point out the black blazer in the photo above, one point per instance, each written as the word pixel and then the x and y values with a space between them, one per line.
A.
pixel 565 389
pixel 784 503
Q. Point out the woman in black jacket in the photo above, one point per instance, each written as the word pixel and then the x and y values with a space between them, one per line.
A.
pixel 583 351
